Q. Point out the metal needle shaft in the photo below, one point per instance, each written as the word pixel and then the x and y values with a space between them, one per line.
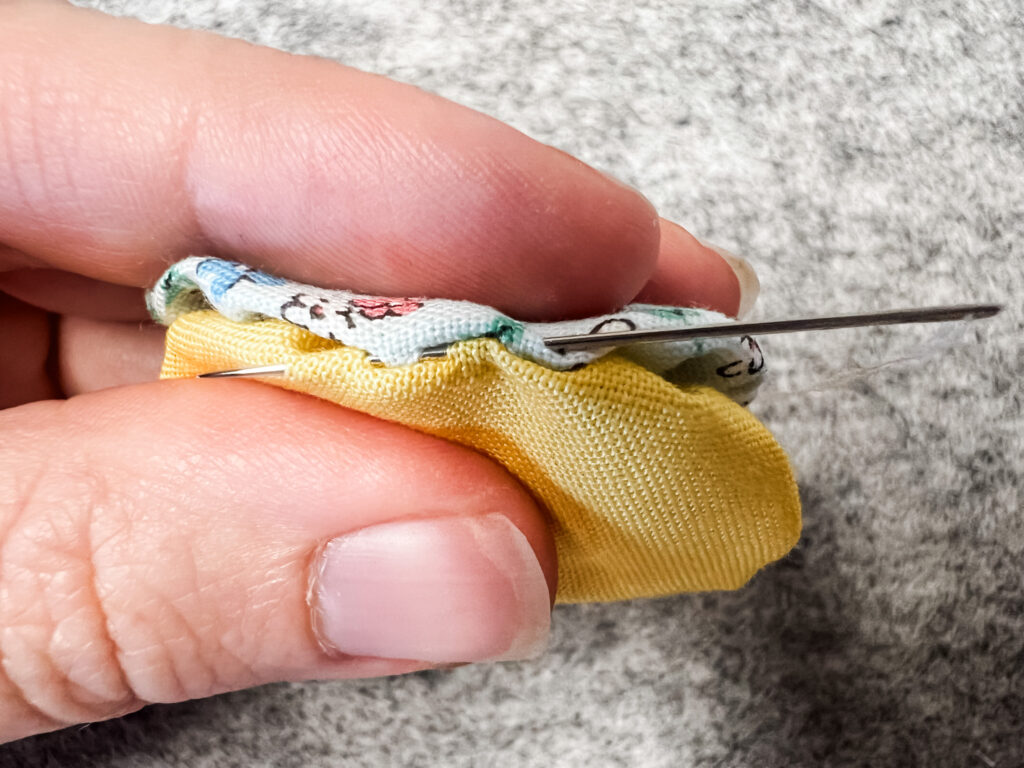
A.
pixel 889 317
pixel 639 336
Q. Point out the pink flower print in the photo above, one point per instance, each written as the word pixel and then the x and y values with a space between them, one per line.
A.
pixel 382 306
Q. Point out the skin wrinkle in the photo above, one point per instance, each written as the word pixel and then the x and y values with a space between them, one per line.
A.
pixel 87 594
pixel 90 593
pixel 242 604
pixel 213 668
pixel 193 233
pixel 132 699
pixel 69 560
pixel 210 676
pixel 23 698
pixel 25 496
pixel 253 605
pixel 28 98
pixel 49 165
pixel 206 674
pixel 7 130
pixel 201 128
pixel 122 654
pixel 126 192
pixel 51 100
pixel 191 680
pixel 365 156
pixel 379 143
pixel 196 679
pixel 158 131
pixel 568 225
pixel 515 190
pixel 379 146
pixel 491 170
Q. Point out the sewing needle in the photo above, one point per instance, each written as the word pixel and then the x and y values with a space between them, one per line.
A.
pixel 640 336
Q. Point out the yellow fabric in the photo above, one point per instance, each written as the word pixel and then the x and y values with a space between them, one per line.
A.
pixel 652 489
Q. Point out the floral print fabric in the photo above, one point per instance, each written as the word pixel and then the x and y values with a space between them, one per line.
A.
pixel 399 330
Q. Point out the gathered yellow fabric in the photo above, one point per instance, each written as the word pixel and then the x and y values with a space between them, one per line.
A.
pixel 652 488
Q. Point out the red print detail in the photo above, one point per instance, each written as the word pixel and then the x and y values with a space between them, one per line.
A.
pixel 383 306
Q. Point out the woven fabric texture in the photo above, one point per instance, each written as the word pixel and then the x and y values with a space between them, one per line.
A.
pixel 652 488
pixel 398 330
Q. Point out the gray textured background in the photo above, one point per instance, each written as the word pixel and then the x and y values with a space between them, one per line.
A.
pixel 863 154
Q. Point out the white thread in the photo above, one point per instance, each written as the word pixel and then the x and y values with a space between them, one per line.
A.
pixel 946 338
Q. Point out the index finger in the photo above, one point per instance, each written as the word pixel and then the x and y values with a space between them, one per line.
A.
pixel 127 146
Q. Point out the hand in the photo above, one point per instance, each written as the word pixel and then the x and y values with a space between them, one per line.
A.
pixel 170 540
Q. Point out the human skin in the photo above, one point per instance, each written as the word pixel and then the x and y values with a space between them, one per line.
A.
pixel 161 541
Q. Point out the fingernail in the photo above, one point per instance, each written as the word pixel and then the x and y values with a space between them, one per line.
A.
pixel 750 286
pixel 445 590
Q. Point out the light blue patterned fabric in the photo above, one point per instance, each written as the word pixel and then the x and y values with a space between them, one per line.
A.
pixel 397 331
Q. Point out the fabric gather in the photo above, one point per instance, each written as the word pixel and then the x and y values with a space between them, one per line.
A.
pixel 398 330
pixel 655 482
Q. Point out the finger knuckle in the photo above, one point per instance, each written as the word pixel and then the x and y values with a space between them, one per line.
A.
pixel 56 651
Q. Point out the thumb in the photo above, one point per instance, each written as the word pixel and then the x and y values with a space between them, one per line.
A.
pixel 179 539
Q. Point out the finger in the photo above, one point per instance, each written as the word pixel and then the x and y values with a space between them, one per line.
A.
pixel 25 346
pixel 14 259
pixel 127 146
pixel 96 354
pixel 696 274
pixel 175 540
pixel 688 273
pixel 66 293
